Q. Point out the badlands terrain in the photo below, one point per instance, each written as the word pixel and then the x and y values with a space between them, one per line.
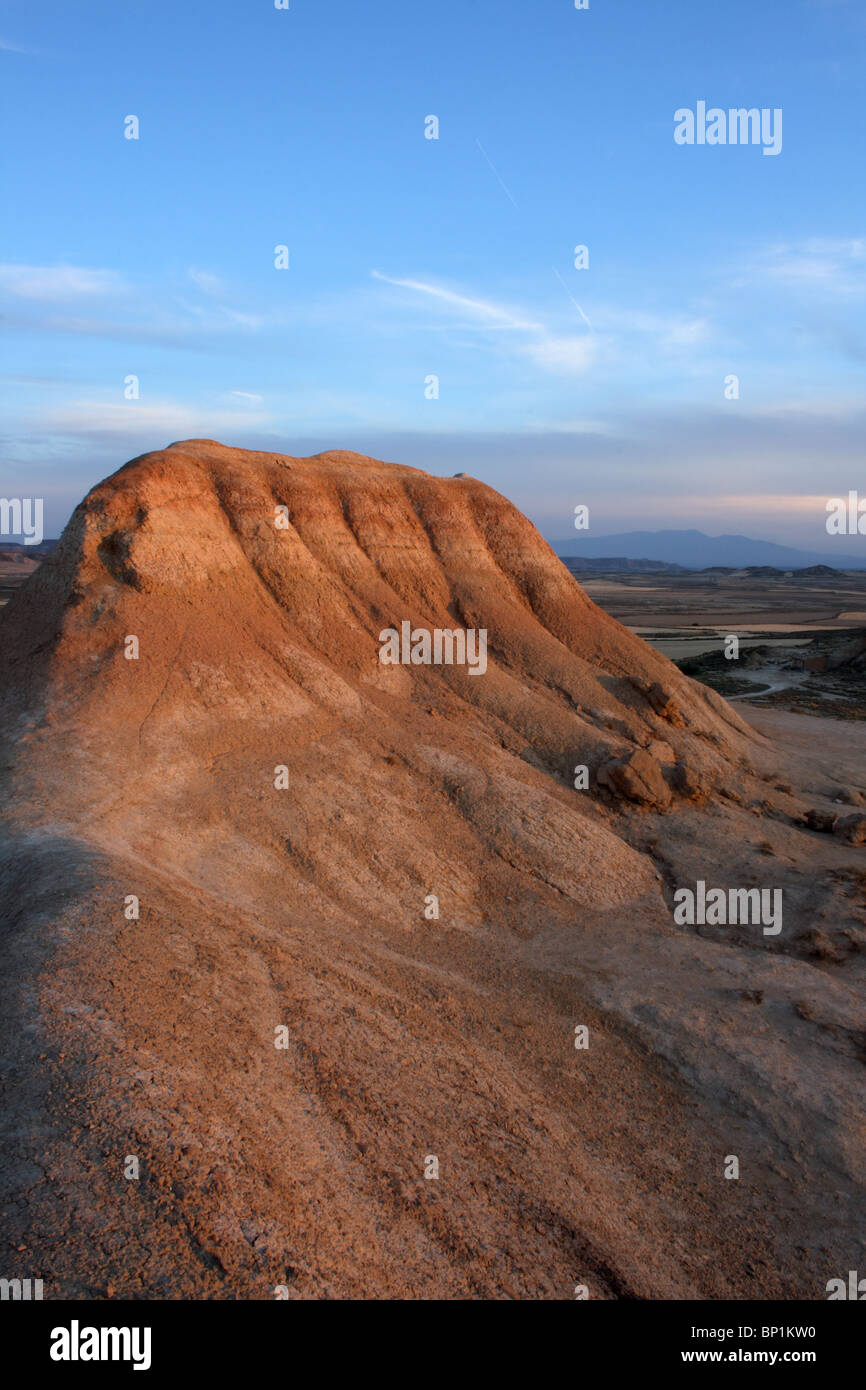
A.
pixel 801 634
pixel 286 1072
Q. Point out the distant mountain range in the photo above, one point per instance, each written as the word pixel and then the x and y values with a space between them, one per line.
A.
pixel 13 547
pixel 584 564
pixel 695 550
pixel 646 551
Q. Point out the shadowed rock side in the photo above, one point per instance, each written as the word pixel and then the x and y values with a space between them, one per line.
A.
pixel 406 1037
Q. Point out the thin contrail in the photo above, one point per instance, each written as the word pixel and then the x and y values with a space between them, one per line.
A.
pixel 495 171
pixel 572 298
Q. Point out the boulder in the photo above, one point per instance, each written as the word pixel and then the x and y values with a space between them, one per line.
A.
pixel 662 702
pixel 852 829
pixel 661 751
pixel 637 777
pixel 693 785
pixel 849 796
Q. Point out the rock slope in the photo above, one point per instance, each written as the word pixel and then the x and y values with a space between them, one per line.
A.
pixel 373 907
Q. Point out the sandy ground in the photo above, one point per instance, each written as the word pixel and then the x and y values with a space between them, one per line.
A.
pixel 732 603
pixel 834 747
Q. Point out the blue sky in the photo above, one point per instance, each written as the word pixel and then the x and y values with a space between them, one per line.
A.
pixel 453 257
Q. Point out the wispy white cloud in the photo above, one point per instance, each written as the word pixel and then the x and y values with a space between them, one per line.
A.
pixel 786 502
pixel 243 320
pixel 218 317
pixel 818 408
pixel 249 396
pixel 667 330
pixel 613 333
pixel 550 351
pixel 108 305
pixel 493 313
pixel 566 355
pixel 157 418
pixel 835 265
pixel 207 282
pixel 7 47
pixel 59 283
